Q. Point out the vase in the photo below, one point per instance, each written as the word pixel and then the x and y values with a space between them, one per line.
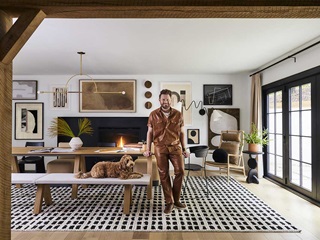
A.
pixel 252 147
pixel 75 143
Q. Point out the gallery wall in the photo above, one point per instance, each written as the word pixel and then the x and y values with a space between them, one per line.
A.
pixel 241 85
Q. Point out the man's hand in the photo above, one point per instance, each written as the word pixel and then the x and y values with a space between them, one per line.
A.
pixel 147 153
pixel 185 154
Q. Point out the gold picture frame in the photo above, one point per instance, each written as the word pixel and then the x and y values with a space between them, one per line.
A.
pixel 107 95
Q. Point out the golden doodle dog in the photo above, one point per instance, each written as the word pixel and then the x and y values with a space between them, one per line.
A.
pixel 122 169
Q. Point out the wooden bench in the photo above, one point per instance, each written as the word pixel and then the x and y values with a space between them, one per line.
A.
pixel 43 182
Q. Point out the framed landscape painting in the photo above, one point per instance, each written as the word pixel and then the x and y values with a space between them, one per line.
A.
pixel 107 95
pixel 28 121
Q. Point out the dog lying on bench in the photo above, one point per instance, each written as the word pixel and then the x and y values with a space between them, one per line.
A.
pixel 122 169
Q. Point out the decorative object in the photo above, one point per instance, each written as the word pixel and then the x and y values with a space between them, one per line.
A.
pixel 60 127
pixel 221 119
pixel 59 99
pixel 91 101
pixel 28 121
pixel 24 89
pixel 202 110
pixel 256 139
pixel 226 207
pixel 217 94
pixel 75 143
pixel 148 84
pixel 148 94
pixel 193 136
pixel 148 105
pixel 181 92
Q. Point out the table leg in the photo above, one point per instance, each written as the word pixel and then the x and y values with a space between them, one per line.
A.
pixel 15 168
pixel 76 168
pixel 83 168
pixel 149 171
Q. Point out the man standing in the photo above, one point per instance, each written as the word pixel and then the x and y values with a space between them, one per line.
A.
pixel 165 130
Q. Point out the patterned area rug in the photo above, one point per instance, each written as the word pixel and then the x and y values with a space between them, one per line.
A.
pixel 99 208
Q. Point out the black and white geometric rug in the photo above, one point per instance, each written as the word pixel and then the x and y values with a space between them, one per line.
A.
pixel 227 207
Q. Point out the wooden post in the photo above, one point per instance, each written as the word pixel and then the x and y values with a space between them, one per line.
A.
pixel 5 139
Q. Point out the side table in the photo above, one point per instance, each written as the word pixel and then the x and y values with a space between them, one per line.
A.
pixel 252 163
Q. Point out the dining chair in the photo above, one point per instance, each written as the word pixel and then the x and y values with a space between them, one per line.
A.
pixel 37 160
pixel 63 164
pixel 201 152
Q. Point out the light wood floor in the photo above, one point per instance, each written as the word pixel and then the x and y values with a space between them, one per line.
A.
pixel 300 213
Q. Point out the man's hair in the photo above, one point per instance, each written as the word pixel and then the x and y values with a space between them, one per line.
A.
pixel 165 92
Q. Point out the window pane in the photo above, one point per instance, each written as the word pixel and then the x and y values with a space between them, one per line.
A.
pixel 306 149
pixel 306 177
pixel 294 123
pixel 279 144
pixel 279 123
pixel 279 101
pixel 295 172
pixel 295 148
pixel 294 98
pixel 271 103
pixel 279 167
pixel 306 96
pixel 271 165
pixel 271 123
pixel 271 143
pixel 306 123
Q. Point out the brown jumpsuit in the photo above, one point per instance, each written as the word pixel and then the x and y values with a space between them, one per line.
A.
pixel 166 139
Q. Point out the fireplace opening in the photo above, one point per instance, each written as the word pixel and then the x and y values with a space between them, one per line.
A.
pixel 118 136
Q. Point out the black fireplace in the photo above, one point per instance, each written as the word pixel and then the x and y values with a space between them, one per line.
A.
pixel 109 131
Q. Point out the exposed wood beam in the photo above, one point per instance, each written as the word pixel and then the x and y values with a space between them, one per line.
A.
pixel 6 138
pixel 19 33
pixel 168 8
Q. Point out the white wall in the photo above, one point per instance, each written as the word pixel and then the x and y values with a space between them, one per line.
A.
pixel 241 99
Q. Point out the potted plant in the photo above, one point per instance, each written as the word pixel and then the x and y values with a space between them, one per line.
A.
pixel 256 138
pixel 60 127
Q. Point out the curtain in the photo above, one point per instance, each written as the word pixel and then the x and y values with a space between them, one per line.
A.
pixel 255 104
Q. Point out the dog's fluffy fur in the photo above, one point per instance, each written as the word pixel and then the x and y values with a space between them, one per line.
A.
pixel 122 169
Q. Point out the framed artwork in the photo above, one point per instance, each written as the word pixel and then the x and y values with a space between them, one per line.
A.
pixel 59 98
pixel 221 119
pixel 193 136
pixel 217 94
pixel 24 89
pixel 107 95
pixel 180 91
pixel 28 121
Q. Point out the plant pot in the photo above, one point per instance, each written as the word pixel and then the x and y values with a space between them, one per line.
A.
pixel 75 143
pixel 252 147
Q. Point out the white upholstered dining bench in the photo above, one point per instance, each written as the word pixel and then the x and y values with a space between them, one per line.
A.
pixel 43 182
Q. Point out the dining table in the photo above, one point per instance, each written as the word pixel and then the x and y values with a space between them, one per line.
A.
pixel 79 157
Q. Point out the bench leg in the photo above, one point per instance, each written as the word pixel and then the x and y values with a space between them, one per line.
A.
pixel 47 195
pixel 38 200
pixel 74 193
pixel 127 199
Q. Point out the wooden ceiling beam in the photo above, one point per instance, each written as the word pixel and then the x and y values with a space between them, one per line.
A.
pixel 18 34
pixel 167 8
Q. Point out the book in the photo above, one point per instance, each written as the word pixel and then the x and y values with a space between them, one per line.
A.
pixel 41 150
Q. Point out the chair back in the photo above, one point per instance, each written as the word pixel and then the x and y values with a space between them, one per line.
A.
pixel 232 141
pixel 199 151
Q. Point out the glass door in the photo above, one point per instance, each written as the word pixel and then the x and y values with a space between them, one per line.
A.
pixel 300 136
pixel 274 125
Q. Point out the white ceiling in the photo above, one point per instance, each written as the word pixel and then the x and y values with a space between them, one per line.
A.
pixel 160 46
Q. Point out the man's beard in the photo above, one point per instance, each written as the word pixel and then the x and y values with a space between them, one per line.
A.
pixel 165 107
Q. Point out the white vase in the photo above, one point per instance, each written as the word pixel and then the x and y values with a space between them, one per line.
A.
pixel 75 143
